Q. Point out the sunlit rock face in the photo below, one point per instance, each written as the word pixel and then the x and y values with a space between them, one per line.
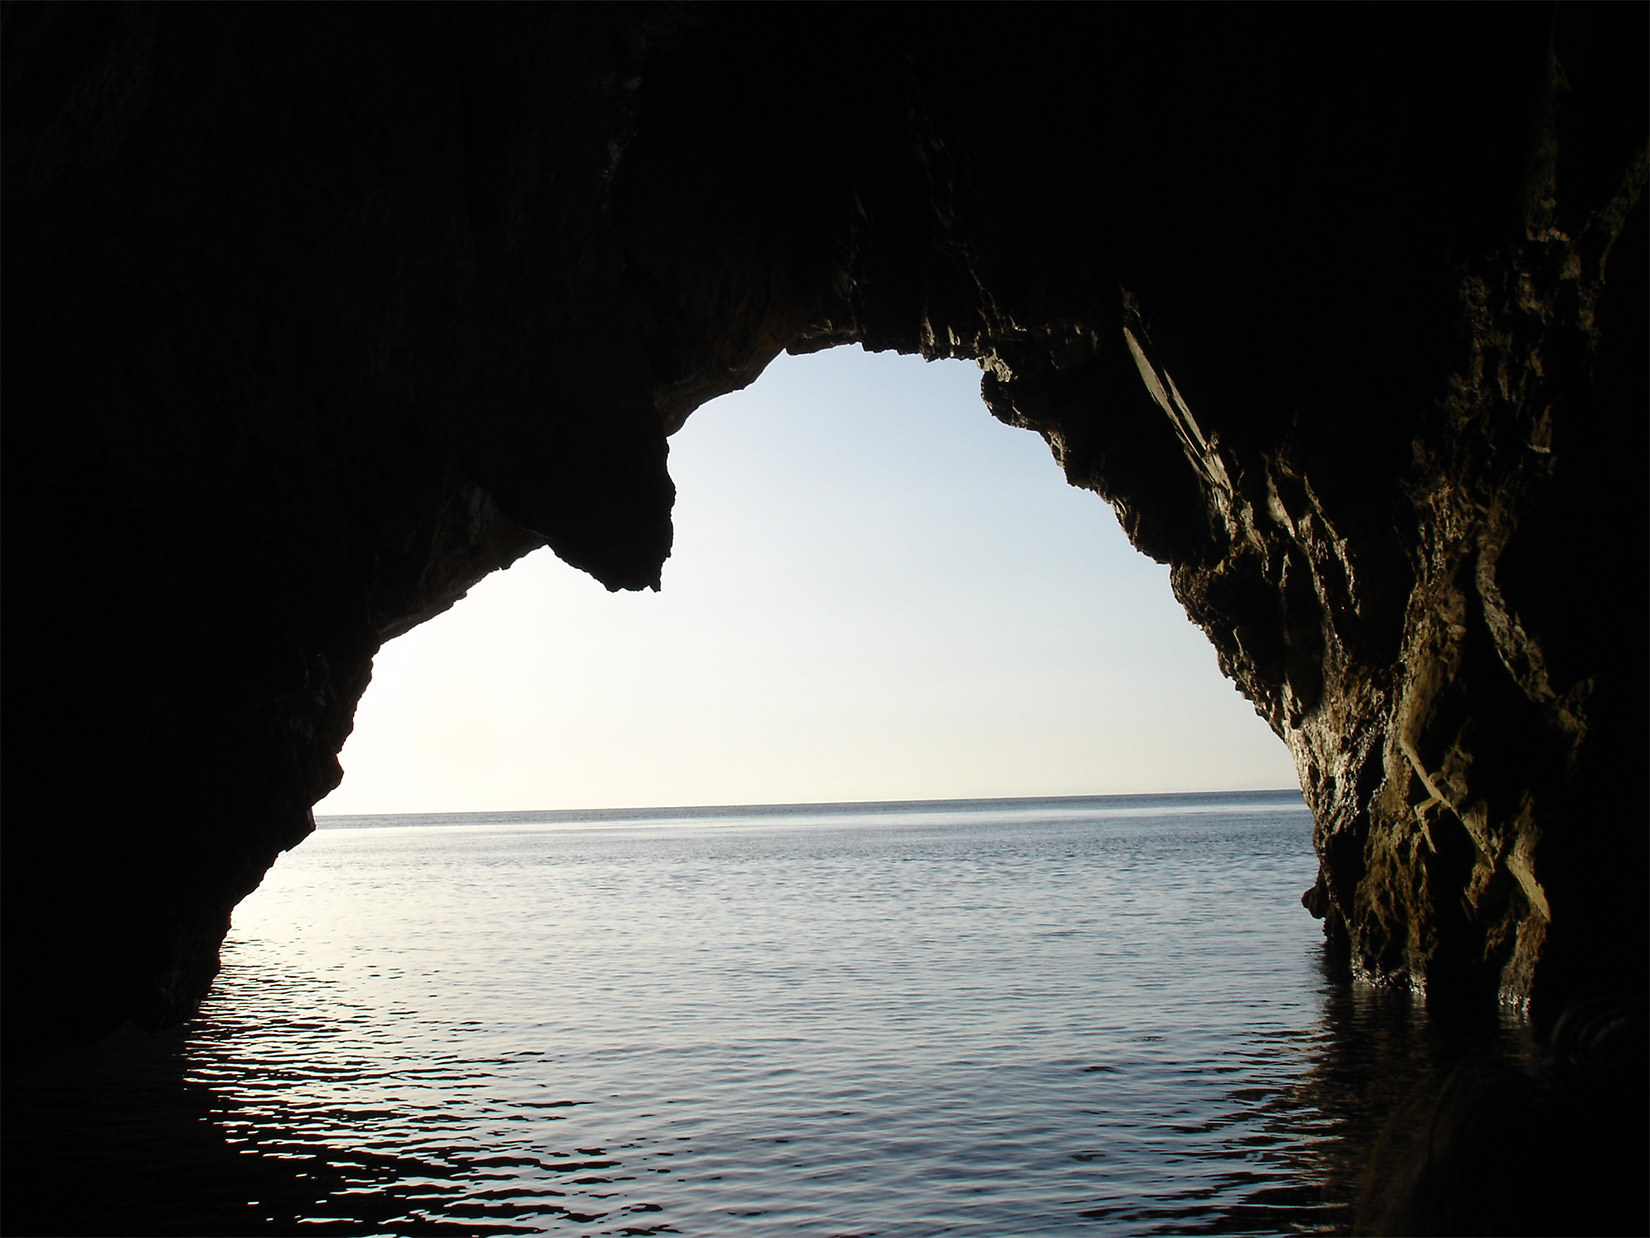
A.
pixel 312 320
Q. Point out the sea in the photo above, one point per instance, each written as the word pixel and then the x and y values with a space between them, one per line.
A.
pixel 1076 1016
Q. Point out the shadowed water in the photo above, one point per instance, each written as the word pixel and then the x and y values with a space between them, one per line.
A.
pixel 1104 1016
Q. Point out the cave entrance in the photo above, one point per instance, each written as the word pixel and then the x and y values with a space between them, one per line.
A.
pixel 877 592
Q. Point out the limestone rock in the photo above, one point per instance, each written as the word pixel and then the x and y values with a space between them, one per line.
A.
pixel 312 320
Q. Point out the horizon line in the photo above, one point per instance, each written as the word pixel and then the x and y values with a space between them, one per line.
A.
pixel 698 808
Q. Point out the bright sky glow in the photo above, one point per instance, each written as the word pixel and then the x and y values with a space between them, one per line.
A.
pixel 877 592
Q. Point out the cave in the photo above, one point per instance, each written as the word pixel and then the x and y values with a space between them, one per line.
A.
pixel 311 322
pixel 928 603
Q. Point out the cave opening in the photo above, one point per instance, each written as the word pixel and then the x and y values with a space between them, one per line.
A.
pixel 313 327
pixel 877 592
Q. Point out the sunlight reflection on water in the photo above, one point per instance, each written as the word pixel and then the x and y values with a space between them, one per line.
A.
pixel 959 1022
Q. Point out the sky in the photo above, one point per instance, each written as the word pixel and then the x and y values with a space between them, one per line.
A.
pixel 877 592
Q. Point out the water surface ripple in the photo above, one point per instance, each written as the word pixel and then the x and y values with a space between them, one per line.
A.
pixel 1053 1017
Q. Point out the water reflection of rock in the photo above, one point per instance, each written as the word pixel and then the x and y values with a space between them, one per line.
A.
pixel 1406 1121
pixel 1556 1144
pixel 1372 1051
pixel 1299 1155
pixel 117 1139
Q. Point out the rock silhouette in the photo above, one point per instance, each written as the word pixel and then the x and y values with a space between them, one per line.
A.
pixel 311 320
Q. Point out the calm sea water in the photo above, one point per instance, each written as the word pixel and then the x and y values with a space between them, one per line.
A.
pixel 1097 1016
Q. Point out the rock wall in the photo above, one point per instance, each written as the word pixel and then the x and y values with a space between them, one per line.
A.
pixel 313 320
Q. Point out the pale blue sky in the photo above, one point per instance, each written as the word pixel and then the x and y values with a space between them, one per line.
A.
pixel 877 592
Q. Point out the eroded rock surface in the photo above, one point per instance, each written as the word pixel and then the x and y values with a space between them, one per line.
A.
pixel 313 320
